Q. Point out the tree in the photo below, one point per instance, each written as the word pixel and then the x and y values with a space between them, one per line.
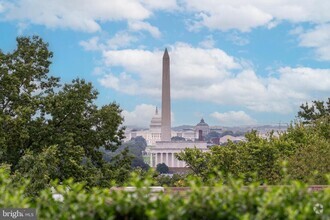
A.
pixel 136 146
pixel 316 110
pixel 40 117
pixel 24 82
pixel 138 162
pixel 196 160
pixel 310 162
pixel 244 159
pixel 162 168
pixel 306 148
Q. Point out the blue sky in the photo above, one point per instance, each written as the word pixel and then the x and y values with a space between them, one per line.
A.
pixel 233 62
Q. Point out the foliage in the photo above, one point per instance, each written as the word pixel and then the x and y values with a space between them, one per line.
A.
pixel 11 193
pixel 52 131
pixel 196 160
pixel 136 146
pixel 316 110
pixel 162 168
pixel 232 200
pixel 23 84
pixel 306 148
pixel 310 162
pixel 176 180
pixel 244 159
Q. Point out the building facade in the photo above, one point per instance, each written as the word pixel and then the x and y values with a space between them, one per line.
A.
pixel 164 152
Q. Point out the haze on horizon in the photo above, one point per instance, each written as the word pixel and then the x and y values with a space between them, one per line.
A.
pixel 233 63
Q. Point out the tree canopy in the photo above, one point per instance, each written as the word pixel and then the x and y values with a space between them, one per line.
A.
pixel 135 147
pixel 58 127
pixel 305 149
pixel 316 110
pixel 162 168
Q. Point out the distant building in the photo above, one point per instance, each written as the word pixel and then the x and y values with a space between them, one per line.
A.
pixel 155 129
pixel 187 134
pixel 201 130
pixel 227 138
pixel 153 134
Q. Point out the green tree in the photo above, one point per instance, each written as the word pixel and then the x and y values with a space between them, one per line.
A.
pixel 306 148
pixel 310 162
pixel 316 110
pixel 196 160
pixel 162 168
pixel 136 146
pixel 39 118
pixel 24 82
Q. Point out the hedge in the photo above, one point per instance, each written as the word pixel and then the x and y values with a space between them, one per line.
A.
pixel 232 200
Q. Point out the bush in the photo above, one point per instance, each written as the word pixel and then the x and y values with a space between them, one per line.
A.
pixel 232 200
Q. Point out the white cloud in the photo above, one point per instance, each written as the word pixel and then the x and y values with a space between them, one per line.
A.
pixel 212 75
pixel 238 40
pixel 87 15
pixel 305 79
pixel 82 15
pixel 317 38
pixel 208 42
pixel 193 68
pixel 142 71
pixel 222 16
pixel 2 7
pixel 233 118
pixel 91 44
pixel 121 40
pixel 140 116
pixel 156 4
pixel 144 26
pixel 245 15
pixel 297 30
pixel 126 84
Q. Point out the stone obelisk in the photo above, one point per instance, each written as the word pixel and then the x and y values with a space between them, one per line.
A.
pixel 166 99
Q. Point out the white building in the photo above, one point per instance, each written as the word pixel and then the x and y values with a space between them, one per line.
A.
pixel 164 152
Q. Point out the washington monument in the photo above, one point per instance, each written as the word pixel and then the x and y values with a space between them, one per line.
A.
pixel 164 150
pixel 166 99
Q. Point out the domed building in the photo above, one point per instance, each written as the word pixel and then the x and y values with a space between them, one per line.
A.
pixel 155 128
pixel 201 130
pixel 156 122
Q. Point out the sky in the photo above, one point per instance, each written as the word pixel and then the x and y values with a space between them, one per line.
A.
pixel 233 62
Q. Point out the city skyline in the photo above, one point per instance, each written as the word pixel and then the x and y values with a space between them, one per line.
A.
pixel 233 63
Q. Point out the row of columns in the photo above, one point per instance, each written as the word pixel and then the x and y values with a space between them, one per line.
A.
pixel 165 157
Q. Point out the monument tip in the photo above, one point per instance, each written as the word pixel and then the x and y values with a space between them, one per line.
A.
pixel 165 53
